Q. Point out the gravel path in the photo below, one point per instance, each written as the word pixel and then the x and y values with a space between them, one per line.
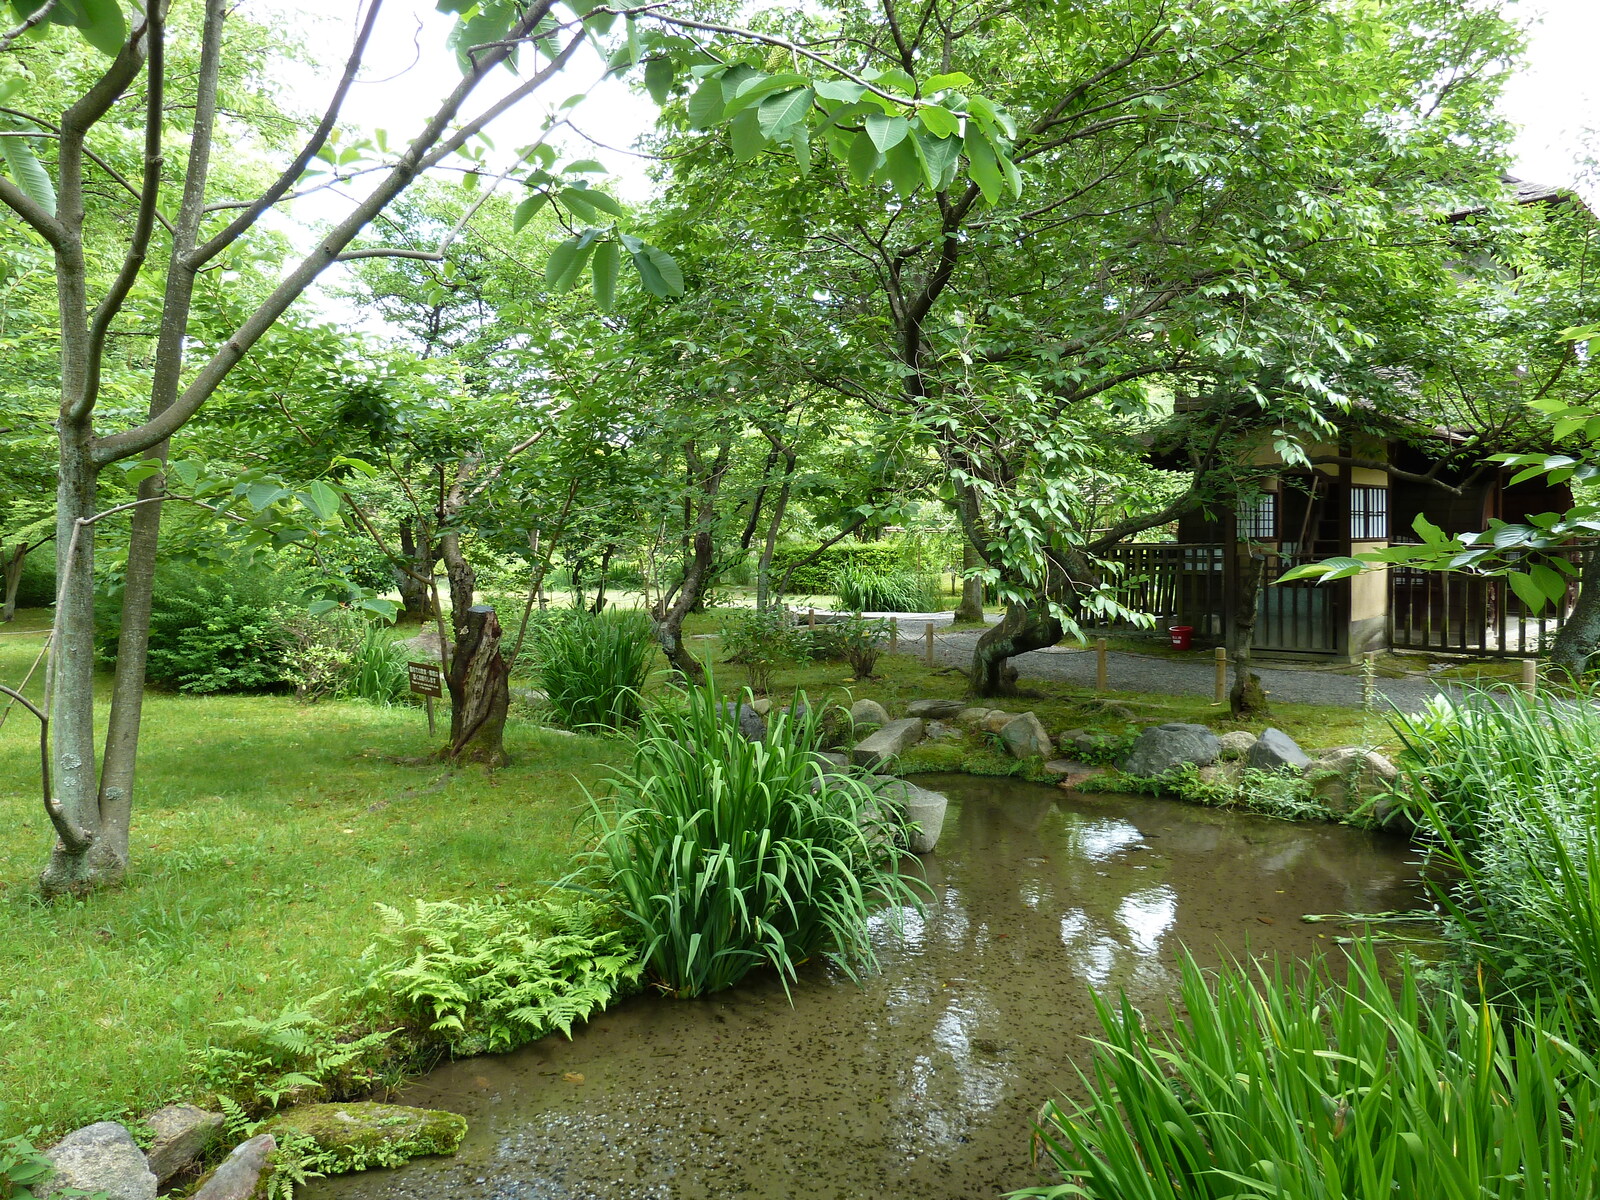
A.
pixel 1150 673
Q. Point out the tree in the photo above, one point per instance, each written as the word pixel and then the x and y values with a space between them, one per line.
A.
pixel 1166 205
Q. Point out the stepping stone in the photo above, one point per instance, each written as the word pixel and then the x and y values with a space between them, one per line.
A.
pixel 892 740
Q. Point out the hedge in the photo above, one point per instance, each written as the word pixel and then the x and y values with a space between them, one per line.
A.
pixel 819 575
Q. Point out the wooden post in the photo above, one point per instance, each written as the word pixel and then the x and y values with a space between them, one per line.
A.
pixel 929 632
pixel 811 617
pixel 1101 671
pixel 894 636
pixel 1368 681
pixel 1222 674
pixel 1530 677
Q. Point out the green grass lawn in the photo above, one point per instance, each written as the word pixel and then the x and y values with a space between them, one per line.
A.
pixel 266 832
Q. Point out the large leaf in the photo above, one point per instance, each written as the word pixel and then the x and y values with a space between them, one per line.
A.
pixel 566 263
pixel 587 204
pixel 744 131
pixel 780 112
pixel 705 106
pixel 658 77
pixel 1527 590
pixel 658 271
pixel 607 263
pixel 904 167
pixel 528 209
pixel 942 155
pixel 28 172
pixel 864 158
pixel 887 132
pixel 940 122
pixel 984 166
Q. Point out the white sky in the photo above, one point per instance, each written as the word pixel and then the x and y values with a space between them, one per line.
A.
pixel 1554 99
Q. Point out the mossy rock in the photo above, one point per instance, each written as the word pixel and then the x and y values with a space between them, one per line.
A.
pixel 339 1138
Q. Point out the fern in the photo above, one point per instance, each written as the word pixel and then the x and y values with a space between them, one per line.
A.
pixel 485 977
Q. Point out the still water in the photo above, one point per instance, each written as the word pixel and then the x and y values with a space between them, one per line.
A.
pixel 923 1082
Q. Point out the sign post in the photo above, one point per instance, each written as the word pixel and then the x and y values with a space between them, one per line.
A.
pixel 427 681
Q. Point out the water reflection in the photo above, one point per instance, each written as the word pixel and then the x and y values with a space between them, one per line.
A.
pixel 924 1081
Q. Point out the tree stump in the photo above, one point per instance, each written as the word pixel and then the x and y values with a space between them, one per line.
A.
pixel 479 693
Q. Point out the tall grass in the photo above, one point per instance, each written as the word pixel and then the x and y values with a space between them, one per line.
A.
pixel 377 671
pixel 728 854
pixel 593 666
pixel 1291 1086
pixel 1508 789
pixel 902 589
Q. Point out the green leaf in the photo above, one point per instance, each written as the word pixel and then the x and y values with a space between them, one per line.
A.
pixel 658 271
pixel 904 167
pixel 705 106
pixel 984 166
pixel 757 87
pixel 264 495
pixel 744 131
pixel 778 113
pixel 528 209
pixel 1528 591
pixel 28 172
pixel 566 263
pixel 588 204
pixel 321 499
pixel 800 143
pixel 319 608
pixel 940 122
pixel 942 155
pixel 1551 583
pixel 607 264
pixel 585 166
pixel 734 78
pixel 939 83
pixel 100 22
pixel 839 89
pixel 886 132
pixel 658 79
pixel 864 158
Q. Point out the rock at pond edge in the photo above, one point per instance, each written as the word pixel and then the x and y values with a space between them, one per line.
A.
pixel 365 1134
pixel 1163 748
pixel 239 1175
pixel 183 1132
pixel 100 1158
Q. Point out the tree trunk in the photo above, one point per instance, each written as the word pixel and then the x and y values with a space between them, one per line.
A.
pixel 1246 699
pixel 14 563
pixel 971 606
pixel 1023 628
pixel 1579 638
pixel 479 692
pixel 416 599
pixel 600 587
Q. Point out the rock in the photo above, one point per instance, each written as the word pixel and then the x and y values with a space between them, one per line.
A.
pixel 240 1172
pixel 1025 737
pixel 1079 741
pixel 183 1132
pixel 423 648
pixel 1226 774
pixel 100 1158
pixel 917 806
pixel 1063 767
pixel 529 695
pixel 939 731
pixel 869 712
pixel 1275 750
pixel 893 739
pixel 997 719
pixel 830 765
pixel 1347 777
pixel 1237 743
pixel 365 1134
pixel 751 723
pixel 1162 748
pixel 934 708
pixel 762 706
pixel 972 717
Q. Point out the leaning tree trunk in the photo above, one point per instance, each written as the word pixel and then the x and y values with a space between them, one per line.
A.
pixel 1579 638
pixel 14 564
pixel 416 597
pixel 1023 628
pixel 1247 699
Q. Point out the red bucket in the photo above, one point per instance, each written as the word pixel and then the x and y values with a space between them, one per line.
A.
pixel 1180 636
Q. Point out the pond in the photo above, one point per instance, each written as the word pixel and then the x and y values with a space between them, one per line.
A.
pixel 923 1082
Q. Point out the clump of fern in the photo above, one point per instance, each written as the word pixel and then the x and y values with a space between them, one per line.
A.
pixel 487 976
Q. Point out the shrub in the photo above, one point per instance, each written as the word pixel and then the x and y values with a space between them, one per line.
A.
pixel 343 655
pixel 858 640
pixel 820 574
pixel 1293 1085
pixel 726 854
pixel 897 590
pixel 593 666
pixel 222 632
pixel 762 640
pixel 485 977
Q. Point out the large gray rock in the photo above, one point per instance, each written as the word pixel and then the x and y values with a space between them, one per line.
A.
pixel 1025 737
pixel 919 807
pixel 751 723
pixel 183 1132
pixel 869 712
pixel 941 731
pixel 1275 750
pixel 1163 748
pixel 935 708
pixel 1236 744
pixel 893 739
pixel 1347 777
pixel 997 720
pixel 972 717
pixel 239 1173
pixel 100 1158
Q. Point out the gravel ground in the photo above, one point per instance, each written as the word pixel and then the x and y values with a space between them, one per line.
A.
pixel 1149 673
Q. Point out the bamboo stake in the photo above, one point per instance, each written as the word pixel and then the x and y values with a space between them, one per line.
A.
pixel 929 632
pixel 1222 674
pixel 1101 667
pixel 1530 677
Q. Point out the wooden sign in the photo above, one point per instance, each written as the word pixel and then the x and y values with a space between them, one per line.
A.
pixel 426 679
